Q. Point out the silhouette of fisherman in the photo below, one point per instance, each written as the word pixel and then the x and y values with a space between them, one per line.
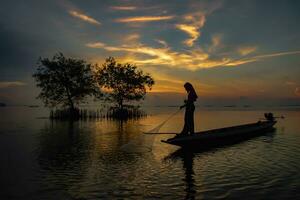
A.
pixel 189 109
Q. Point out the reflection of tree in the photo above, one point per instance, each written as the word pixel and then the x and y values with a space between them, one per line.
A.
pixel 87 155
pixel 62 153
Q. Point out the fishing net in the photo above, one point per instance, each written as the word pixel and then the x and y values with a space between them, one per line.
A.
pixel 144 142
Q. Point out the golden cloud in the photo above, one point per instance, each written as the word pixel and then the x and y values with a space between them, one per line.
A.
pixel 290 83
pixel 163 43
pixel 260 57
pixel 216 42
pixel 125 8
pixel 171 80
pixel 192 24
pixel 84 17
pixel 7 84
pixel 278 54
pixel 190 60
pixel 131 38
pixel 246 50
pixel 166 88
pixel 96 45
pixel 167 83
pixel 297 92
pixel 192 31
pixel 143 19
pixel 240 62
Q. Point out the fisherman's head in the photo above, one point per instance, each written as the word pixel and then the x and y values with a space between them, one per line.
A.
pixel 188 87
pixel 190 90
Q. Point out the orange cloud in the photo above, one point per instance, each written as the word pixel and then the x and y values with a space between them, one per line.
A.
pixel 297 92
pixel 260 57
pixel 166 83
pixel 192 24
pixel 246 50
pixel 278 54
pixel 7 84
pixel 124 8
pixel 144 19
pixel 96 45
pixel 192 31
pixel 290 83
pixel 216 42
pixel 84 17
pixel 162 42
pixel 240 62
pixel 131 38
pixel 166 88
pixel 190 60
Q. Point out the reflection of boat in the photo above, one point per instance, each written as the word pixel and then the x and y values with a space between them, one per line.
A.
pixel 2 104
pixel 223 135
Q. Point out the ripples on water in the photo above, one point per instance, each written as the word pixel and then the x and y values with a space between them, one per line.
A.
pixel 85 160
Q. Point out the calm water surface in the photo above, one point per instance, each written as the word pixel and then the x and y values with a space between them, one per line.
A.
pixel 40 159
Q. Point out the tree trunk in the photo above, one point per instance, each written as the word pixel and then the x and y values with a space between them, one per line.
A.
pixel 74 113
pixel 71 105
pixel 121 104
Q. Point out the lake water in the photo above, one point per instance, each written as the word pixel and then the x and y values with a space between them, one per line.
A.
pixel 103 159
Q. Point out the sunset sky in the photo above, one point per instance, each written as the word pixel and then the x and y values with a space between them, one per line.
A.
pixel 229 49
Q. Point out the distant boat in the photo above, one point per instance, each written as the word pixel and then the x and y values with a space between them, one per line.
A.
pixel 2 104
pixel 33 106
pixel 221 136
pixel 290 105
pixel 230 106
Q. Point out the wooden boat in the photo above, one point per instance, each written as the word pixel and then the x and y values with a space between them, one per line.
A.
pixel 223 135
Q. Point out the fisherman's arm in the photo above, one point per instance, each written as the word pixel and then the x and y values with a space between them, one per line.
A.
pixel 184 105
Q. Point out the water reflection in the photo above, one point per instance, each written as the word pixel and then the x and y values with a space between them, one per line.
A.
pixel 63 155
pixel 83 160
pixel 187 158
pixel 62 145
pixel 188 161
pixel 86 155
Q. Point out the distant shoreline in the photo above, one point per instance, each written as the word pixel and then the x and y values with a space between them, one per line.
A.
pixel 212 107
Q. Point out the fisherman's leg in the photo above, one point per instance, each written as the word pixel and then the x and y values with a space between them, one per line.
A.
pixel 191 121
pixel 192 129
pixel 188 121
pixel 184 130
pixel 185 127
